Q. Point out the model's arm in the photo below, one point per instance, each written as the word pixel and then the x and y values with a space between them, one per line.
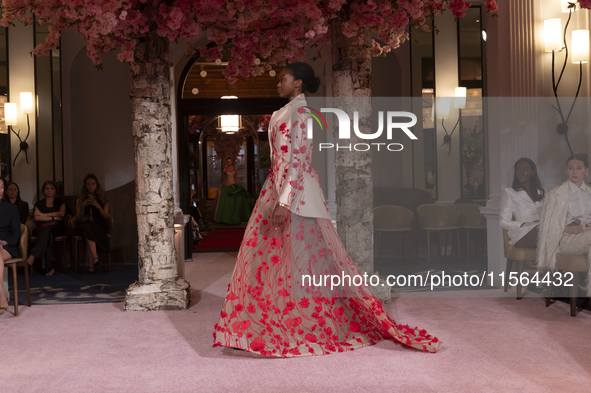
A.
pixel 104 211
pixel 40 217
pixel 298 148
pixel 507 209
pixel 61 213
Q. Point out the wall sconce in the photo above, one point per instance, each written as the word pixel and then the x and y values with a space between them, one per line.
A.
pixel 555 41
pixel 566 5
pixel 10 114
pixel 230 124
pixel 443 113
pixel 460 98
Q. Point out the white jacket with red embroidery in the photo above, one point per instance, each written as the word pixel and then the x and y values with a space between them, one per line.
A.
pixel 295 182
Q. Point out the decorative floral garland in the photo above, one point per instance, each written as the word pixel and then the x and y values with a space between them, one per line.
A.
pixel 253 35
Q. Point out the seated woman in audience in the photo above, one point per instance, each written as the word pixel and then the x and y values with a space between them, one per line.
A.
pixel 521 205
pixel 563 226
pixel 92 219
pixel 48 215
pixel 12 194
pixel 10 233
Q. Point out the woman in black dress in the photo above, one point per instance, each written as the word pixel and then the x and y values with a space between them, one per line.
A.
pixel 49 216
pixel 10 234
pixel 92 219
pixel 12 194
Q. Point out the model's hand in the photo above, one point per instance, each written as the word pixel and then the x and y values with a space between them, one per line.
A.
pixel 279 216
pixel 575 229
pixel 3 243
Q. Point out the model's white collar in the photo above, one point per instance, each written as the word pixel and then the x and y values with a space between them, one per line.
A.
pixel 573 187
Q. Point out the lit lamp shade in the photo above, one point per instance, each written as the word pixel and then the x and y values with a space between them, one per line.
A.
pixel 580 46
pixel 443 107
pixel 27 105
pixel 460 99
pixel 552 34
pixel 10 113
pixel 229 123
pixel 564 5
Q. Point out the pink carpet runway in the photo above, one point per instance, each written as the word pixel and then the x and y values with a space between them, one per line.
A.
pixel 490 345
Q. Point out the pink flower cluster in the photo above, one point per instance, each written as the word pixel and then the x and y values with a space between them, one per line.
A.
pixel 273 32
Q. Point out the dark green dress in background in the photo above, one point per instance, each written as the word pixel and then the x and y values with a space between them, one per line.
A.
pixel 234 204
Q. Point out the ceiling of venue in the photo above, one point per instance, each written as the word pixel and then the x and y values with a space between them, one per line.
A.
pixel 214 84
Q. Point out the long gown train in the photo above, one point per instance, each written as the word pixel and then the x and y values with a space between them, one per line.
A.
pixel 270 308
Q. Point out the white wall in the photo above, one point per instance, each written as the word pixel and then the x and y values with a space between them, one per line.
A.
pixel 97 118
pixel 446 80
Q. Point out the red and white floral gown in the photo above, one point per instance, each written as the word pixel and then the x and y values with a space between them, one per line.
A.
pixel 267 310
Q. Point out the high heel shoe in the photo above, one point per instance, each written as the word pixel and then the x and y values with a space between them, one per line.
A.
pixel 3 309
pixel 95 263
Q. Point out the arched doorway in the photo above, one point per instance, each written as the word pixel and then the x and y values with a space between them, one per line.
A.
pixel 200 104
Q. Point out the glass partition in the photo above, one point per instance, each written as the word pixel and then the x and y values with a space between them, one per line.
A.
pixel 470 62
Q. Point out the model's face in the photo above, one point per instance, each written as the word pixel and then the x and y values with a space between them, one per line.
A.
pixel 12 191
pixel 523 172
pixel 49 190
pixel 287 86
pixel 229 162
pixel 90 185
pixel 576 171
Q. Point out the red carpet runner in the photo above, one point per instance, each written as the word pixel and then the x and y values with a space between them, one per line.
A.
pixel 221 239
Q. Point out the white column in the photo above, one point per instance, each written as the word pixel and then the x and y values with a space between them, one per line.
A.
pixel 512 121
pixel 21 77
pixel 331 199
pixel 175 152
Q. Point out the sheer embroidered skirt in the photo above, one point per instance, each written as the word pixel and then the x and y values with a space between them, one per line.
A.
pixel 274 308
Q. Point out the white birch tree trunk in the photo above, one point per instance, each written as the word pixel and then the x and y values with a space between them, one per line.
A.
pixel 351 70
pixel 158 286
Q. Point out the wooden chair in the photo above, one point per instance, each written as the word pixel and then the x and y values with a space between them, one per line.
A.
pixel 518 255
pixel 410 198
pixel 471 220
pixel 22 260
pixel 391 219
pixel 439 218
pixel 576 264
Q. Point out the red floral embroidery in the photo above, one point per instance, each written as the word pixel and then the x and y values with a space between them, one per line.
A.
pixel 267 309
pixel 258 344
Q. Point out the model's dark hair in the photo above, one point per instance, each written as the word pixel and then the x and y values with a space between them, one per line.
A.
pixel 99 193
pixel 18 192
pixel 48 183
pixel 536 191
pixel 579 157
pixel 305 73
